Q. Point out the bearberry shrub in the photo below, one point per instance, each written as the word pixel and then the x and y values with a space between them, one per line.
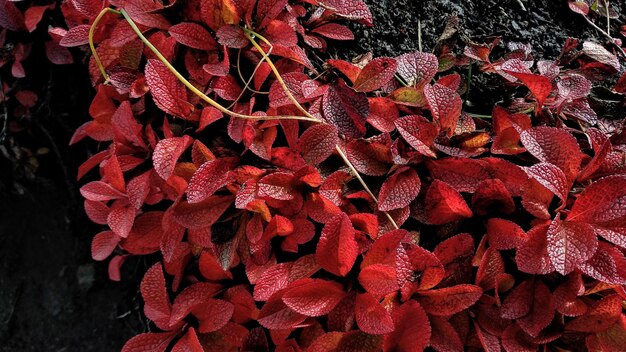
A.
pixel 305 203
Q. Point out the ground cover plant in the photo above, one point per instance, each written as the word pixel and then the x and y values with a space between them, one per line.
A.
pixel 291 200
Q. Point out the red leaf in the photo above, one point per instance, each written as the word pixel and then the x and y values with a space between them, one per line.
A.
pixel 601 55
pixel 188 343
pixel 216 13
pixel 599 317
pixel 552 178
pixel 379 279
pixel 368 158
pixel 202 214
pixel 607 265
pixel 192 297
pixel 349 9
pixel 578 6
pixel 555 146
pixel 419 133
pixel 193 35
pixel 156 301
pixel 444 204
pixel 121 219
pixel 57 54
pixel 275 314
pixel 209 177
pixel 445 106
pixel 449 300
pixel 504 234
pixel 444 336
pixel 168 92
pixel 519 301
pixel 566 299
pixel 100 191
pixel 601 205
pixel 10 17
pixel 317 143
pixel 166 154
pixel 417 68
pixel 345 109
pixel 532 256
pixel 399 190
pixel 371 317
pixel 383 113
pixel 103 244
pixel 279 186
pixel 313 297
pixel 232 36
pixel 75 36
pixel 351 71
pixel 570 244
pixel 213 314
pixel 412 329
pixel 268 10
pixel 375 74
pixel 152 342
pixel 334 31
pixel 541 312
pixel 515 339
pixel 538 85
pixel 337 249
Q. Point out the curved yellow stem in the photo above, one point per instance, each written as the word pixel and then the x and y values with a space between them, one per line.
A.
pixel 92 29
pixel 190 86
pixel 249 33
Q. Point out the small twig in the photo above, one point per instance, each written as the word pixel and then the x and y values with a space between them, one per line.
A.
pixel 399 79
pixel 606 35
pixel 5 113
pixel 419 34
pixel 608 16
pixel 469 81
pixel 521 5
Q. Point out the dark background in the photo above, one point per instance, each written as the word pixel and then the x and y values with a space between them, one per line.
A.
pixel 54 297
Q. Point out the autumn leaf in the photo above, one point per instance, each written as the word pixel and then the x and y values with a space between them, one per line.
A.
pixel 337 248
pixel 168 92
pixel 375 74
pixel 313 297
pixel 445 106
pixel 399 189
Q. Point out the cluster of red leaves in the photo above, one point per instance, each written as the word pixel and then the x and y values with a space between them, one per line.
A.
pixel 513 227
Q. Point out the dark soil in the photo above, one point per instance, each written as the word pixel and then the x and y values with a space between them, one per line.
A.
pixel 543 24
pixel 53 297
